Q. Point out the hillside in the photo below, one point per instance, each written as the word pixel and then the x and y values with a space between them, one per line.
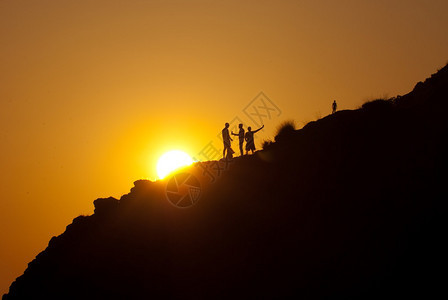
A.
pixel 351 206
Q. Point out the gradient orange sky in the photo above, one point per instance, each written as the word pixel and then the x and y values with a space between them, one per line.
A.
pixel 93 92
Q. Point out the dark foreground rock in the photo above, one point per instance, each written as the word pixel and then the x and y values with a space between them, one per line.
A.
pixel 350 206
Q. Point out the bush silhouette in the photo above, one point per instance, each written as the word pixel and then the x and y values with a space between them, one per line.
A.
pixel 285 130
pixel 378 105
pixel 266 144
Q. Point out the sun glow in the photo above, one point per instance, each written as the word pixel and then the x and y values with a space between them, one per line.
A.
pixel 171 161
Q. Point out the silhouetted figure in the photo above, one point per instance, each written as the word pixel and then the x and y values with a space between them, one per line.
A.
pixel 226 139
pixel 334 106
pixel 240 135
pixel 250 145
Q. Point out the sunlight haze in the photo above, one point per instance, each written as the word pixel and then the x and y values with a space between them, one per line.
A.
pixel 171 161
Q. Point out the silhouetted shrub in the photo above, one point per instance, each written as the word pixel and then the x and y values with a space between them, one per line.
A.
pixel 378 105
pixel 285 130
pixel 266 143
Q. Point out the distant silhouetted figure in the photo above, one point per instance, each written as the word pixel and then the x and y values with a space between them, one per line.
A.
pixel 226 139
pixel 334 106
pixel 250 145
pixel 240 135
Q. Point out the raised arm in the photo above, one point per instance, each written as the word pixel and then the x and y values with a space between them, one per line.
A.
pixel 259 129
pixel 234 133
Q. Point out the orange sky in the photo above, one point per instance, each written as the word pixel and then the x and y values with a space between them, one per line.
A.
pixel 93 91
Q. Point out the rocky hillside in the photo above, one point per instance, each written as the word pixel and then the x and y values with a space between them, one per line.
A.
pixel 352 205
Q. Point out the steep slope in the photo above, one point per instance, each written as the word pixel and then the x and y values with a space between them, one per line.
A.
pixel 352 205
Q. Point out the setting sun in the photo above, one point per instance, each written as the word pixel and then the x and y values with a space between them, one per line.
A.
pixel 171 161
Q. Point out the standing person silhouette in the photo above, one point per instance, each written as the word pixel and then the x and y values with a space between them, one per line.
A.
pixel 240 135
pixel 250 145
pixel 226 139
pixel 334 106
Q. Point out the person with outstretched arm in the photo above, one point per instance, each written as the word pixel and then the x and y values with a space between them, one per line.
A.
pixel 240 135
pixel 250 145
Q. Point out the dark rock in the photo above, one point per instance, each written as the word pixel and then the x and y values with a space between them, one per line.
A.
pixel 105 205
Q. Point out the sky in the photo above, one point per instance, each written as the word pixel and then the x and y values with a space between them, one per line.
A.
pixel 93 92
